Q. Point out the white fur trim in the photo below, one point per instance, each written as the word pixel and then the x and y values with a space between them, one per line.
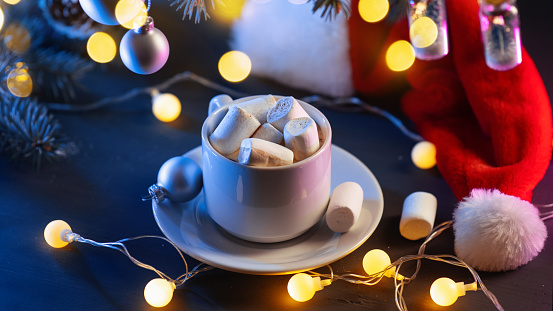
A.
pixel 497 232
pixel 288 43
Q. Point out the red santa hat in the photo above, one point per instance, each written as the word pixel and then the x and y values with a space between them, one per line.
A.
pixel 492 130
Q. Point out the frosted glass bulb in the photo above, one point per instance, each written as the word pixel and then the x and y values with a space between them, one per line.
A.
pixel 166 107
pixel 423 155
pixel 400 56
pixel 302 287
pixel 159 292
pixel 376 260
pixel 444 291
pixel 55 232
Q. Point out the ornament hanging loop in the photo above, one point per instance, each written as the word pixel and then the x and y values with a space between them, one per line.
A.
pixel 156 193
pixel 143 24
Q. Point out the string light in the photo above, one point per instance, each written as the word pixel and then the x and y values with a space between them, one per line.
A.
pixel 377 262
pixel 17 38
pixel 101 47
pixel 159 292
pixel 235 66
pixel 126 11
pixel 19 81
pixel 302 287
pixel 444 291
pixel 400 56
pixel 423 155
pixel 423 32
pixel 230 11
pixel 166 107
pixel 373 11
pixel 55 232
pixel 12 2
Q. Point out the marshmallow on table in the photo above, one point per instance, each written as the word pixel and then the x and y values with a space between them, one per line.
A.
pixel 235 126
pixel 258 107
pixel 418 215
pixel 344 207
pixel 259 152
pixel 269 133
pixel 302 137
pixel 285 109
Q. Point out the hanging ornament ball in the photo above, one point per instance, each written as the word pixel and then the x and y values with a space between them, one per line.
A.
pixel 181 178
pixel 423 155
pixel 101 11
pixel 145 49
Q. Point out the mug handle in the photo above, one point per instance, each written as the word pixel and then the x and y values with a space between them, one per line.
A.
pixel 218 102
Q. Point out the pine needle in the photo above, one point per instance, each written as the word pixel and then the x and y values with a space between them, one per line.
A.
pixel 190 6
pixel 331 8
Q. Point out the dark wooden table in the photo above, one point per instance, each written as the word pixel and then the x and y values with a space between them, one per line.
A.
pixel 120 148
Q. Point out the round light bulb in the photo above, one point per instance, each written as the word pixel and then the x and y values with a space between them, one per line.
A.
pixel 159 292
pixel 101 47
pixel 230 11
pixel 1 18
pixel 376 260
pixel 423 155
pixel 55 232
pixel 235 66
pixel 423 32
pixel 19 81
pixel 12 2
pixel 400 56
pixel 166 107
pixel 127 10
pixel 373 11
pixel 444 291
pixel 302 287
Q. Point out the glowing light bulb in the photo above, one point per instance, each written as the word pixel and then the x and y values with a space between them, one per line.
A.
pixel 127 10
pixel 400 56
pixel 1 18
pixel 444 291
pixel 230 11
pixel 19 81
pixel 12 2
pixel 376 260
pixel 423 32
pixel 302 287
pixel 55 232
pixel 423 155
pixel 373 11
pixel 159 292
pixel 235 66
pixel 166 107
pixel 101 47
pixel 17 38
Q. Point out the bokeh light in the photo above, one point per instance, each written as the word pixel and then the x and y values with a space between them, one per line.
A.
pixel 444 292
pixel 373 11
pixel 1 18
pixel 423 32
pixel 127 10
pixel 229 10
pixel 166 107
pixel 423 155
pixel 400 56
pixel 101 47
pixel 19 81
pixel 12 2
pixel 17 38
pixel 235 66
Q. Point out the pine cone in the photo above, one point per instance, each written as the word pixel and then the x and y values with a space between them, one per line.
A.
pixel 68 17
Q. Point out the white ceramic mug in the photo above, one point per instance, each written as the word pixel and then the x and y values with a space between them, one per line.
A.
pixel 266 204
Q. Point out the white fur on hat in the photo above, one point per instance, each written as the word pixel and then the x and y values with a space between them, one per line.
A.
pixel 497 232
pixel 290 44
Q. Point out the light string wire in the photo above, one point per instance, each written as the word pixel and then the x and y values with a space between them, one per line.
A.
pixel 316 100
pixel 399 285
pixel 120 246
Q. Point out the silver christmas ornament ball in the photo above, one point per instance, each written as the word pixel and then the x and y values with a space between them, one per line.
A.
pixel 145 49
pixel 101 11
pixel 181 179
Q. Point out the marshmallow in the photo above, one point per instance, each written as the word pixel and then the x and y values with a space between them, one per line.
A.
pixel 235 126
pixel 258 107
pixel 417 217
pixel 258 152
pixel 302 137
pixel 344 207
pixel 285 109
pixel 269 133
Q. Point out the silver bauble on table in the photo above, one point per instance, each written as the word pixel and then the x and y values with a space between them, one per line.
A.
pixel 145 49
pixel 179 179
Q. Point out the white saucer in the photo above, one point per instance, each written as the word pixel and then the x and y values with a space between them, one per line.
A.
pixel 191 228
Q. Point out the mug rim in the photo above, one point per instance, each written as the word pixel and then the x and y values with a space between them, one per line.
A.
pixel 326 143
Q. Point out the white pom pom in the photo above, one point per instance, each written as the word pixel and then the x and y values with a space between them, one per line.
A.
pixel 497 232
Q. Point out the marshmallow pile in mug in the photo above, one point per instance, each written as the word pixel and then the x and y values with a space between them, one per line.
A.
pixel 266 132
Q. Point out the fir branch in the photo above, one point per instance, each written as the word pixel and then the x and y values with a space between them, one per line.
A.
pixel 190 5
pixel 331 8
pixel 27 131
